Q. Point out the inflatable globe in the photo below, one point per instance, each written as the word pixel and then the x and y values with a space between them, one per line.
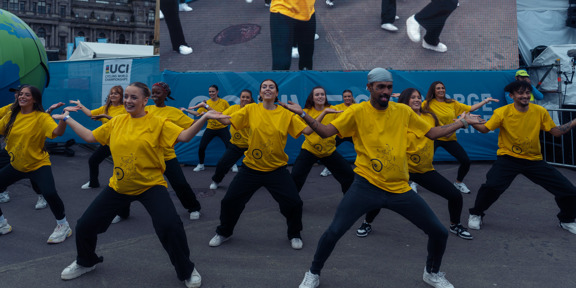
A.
pixel 23 59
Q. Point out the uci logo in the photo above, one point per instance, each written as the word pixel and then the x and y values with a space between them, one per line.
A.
pixel 118 68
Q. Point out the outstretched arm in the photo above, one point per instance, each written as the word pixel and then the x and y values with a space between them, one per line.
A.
pixel 86 111
pixel 54 107
pixel 82 131
pixel 462 122
pixel 562 129
pixel 482 103
pixel 324 131
pixel 308 130
pixel 191 131
pixel 190 110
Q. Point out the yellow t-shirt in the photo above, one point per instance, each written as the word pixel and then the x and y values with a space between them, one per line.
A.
pixel 519 131
pixel 269 131
pixel 380 142
pixel 25 144
pixel 137 146
pixel 320 147
pixel 4 110
pixel 298 9
pixel 113 111
pixel 239 137
pixel 219 105
pixel 420 150
pixel 341 106
pixel 176 116
pixel 446 113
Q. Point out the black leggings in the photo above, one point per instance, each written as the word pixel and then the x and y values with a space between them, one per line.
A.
pixel 94 163
pixel 456 150
pixel 433 17
pixel 283 36
pixel 5 161
pixel 231 156
pixel 43 179
pixel 209 134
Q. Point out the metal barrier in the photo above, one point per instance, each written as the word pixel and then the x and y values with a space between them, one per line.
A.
pixel 560 151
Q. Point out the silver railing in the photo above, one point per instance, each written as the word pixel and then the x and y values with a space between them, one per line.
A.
pixel 560 151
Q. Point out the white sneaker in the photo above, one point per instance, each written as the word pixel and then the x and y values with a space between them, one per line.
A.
pixel 389 27
pixel 194 215
pixel 571 227
pixel 248 1
pixel 414 186
pixel 296 243
pixel 266 4
pixel 41 203
pixel 183 7
pixel 74 271
pixel 310 280
pixel 325 172
pixel 185 50
pixel 329 3
pixel 474 222
pixel 86 186
pixel 213 186
pixel 194 281
pixel 217 240
pixel 437 280
pixel 199 167
pixel 160 15
pixel 438 48
pixel 5 228
pixel 413 29
pixel 396 17
pixel 316 36
pixel 295 53
pixel 61 232
pixel 4 197
pixel 234 169
pixel 116 219
pixel 461 186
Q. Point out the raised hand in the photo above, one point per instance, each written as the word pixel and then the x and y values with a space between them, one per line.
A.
pixel 292 107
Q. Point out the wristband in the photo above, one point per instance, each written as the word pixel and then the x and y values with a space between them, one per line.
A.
pixel 465 123
pixel 303 114
pixel 65 118
pixel 207 106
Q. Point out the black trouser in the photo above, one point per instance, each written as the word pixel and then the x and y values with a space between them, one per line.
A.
pixel 231 156
pixel 455 149
pixel 433 17
pixel 244 185
pixel 506 168
pixel 166 222
pixel 4 161
pixel 94 164
pixel 170 10
pixel 339 167
pixel 284 33
pixel 44 181
pixel 362 197
pixel 181 187
pixel 388 11
pixel 209 134
pixel 438 185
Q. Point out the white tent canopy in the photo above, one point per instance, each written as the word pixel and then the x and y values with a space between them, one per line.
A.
pixel 548 57
pixel 91 50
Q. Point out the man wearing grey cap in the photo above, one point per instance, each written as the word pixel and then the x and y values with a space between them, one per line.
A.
pixel 378 128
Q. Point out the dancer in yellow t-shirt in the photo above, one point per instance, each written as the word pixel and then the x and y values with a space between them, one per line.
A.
pixel 264 164
pixel 316 148
pixel 420 153
pixel 379 128
pixel 520 125
pixel 214 128
pixel 447 109
pixel 160 92
pixel 112 108
pixel 238 143
pixel 138 154
pixel 26 128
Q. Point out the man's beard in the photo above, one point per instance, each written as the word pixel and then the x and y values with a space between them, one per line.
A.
pixel 383 104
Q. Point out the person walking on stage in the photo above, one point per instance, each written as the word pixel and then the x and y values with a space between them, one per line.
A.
pixel 519 152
